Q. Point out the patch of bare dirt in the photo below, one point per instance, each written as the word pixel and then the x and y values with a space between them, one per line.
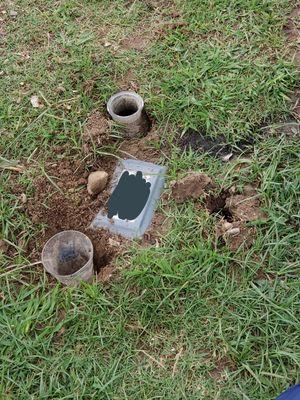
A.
pixel 95 131
pixel 70 208
pixel 3 246
pixel 61 200
pixel 128 82
pixel 218 373
pixel 143 148
pixel 292 34
pixel 245 207
pixel 192 186
pixel 163 16
pixel 236 234
pixel 235 211
pixel 160 225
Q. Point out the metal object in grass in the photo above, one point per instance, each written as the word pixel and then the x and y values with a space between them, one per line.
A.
pixel 68 256
pixel 136 188
pixel 127 109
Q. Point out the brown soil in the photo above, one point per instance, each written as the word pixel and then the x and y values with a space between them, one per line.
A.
pixel 235 211
pixel 3 246
pixel 70 208
pixel 163 16
pixel 192 186
pixel 245 207
pixel 236 234
pixel 61 201
pixel 95 131
pixel 128 82
pixel 221 366
pixel 142 149
pixel 292 33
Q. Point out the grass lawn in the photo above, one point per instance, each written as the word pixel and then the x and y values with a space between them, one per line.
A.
pixel 186 319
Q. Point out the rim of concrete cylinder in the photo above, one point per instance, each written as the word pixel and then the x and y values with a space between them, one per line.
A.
pixel 115 99
pixel 53 238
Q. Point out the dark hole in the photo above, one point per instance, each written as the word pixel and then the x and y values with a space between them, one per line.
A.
pixel 216 204
pixel 129 197
pixel 125 107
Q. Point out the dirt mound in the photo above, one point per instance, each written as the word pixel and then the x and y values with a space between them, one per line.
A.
pixel 245 207
pixel 192 186
pixel 95 131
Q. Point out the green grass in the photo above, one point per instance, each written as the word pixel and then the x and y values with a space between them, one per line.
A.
pixel 185 308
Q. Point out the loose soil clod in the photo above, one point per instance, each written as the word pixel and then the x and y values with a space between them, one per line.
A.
pixel 245 207
pixel 191 187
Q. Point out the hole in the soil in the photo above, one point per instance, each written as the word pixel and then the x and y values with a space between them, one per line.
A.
pixel 125 107
pixel 216 204
pixel 102 261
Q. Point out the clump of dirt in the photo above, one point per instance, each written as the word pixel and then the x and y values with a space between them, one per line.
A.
pixel 245 207
pixel 192 186
pixel 106 274
pixel 95 132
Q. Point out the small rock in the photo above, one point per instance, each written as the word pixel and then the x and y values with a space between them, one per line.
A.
pixel 3 246
pixel 23 198
pixel 233 231
pixel 96 182
pixel 239 235
pixel 13 13
pixel 191 187
pixel 226 225
pixel 35 101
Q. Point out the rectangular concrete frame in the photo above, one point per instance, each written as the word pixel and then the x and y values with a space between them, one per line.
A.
pixel 155 174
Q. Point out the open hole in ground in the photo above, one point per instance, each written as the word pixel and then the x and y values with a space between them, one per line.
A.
pixel 216 204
